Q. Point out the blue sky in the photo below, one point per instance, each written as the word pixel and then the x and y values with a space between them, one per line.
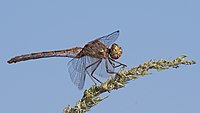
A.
pixel 149 29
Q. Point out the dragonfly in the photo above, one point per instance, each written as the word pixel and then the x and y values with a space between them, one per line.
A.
pixel 97 57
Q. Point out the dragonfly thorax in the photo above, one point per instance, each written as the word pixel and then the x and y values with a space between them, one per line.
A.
pixel 115 51
pixel 95 49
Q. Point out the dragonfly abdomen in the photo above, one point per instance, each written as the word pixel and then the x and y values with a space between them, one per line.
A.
pixel 32 56
pixel 58 53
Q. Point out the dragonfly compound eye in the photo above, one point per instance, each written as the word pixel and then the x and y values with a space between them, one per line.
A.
pixel 115 51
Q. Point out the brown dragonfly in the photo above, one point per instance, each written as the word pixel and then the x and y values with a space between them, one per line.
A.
pixel 94 58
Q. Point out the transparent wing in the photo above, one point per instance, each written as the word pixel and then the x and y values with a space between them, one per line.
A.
pixel 76 68
pixel 91 60
pixel 101 69
pixel 109 39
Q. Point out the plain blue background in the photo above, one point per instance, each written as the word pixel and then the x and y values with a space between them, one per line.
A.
pixel 149 29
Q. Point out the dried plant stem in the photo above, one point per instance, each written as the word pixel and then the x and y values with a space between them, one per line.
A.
pixel 92 97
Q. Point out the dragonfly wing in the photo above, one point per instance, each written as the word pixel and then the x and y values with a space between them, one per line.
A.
pixel 76 68
pixel 91 60
pixel 109 39
pixel 100 69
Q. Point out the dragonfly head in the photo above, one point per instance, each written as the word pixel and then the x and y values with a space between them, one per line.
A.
pixel 115 51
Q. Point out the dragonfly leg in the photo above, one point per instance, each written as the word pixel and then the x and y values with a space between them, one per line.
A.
pixel 107 70
pixel 120 64
pixel 91 75
pixel 96 67
pixel 113 65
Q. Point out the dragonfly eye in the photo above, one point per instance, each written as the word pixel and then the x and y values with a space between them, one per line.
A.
pixel 115 51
